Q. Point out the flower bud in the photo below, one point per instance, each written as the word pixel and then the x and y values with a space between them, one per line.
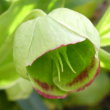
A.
pixel 57 52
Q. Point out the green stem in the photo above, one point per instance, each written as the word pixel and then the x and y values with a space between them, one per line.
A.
pixel 104 58
pixel 51 5
pixel 63 3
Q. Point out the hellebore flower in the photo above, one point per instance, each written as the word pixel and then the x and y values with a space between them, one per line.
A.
pixel 57 52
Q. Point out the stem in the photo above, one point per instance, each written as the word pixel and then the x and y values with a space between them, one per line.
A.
pixel 51 5
pixel 104 58
pixel 63 3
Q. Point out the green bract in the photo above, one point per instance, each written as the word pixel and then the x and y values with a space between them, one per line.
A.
pixel 58 52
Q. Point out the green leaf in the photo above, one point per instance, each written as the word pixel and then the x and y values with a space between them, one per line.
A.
pixel 9 21
pixel 105 59
pixel 8 75
pixel 20 90
pixel 8 26
pixel 44 42
pixel 104 28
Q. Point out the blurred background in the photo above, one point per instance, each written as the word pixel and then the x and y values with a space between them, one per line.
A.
pixel 96 96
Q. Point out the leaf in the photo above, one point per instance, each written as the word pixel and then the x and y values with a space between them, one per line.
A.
pixel 105 59
pixel 13 18
pixel 8 74
pixel 104 28
pixel 8 26
pixel 38 44
pixel 20 90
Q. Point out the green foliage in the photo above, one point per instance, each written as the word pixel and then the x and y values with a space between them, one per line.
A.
pixel 38 53
pixel 5 104
pixel 104 28
pixel 105 59
pixel 7 29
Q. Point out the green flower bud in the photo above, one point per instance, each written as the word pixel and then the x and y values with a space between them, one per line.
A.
pixel 57 52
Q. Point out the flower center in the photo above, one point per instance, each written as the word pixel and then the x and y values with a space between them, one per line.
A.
pixel 56 57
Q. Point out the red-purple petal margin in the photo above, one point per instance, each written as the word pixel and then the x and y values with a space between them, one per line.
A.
pixel 89 83
pixel 50 96
pixel 64 96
